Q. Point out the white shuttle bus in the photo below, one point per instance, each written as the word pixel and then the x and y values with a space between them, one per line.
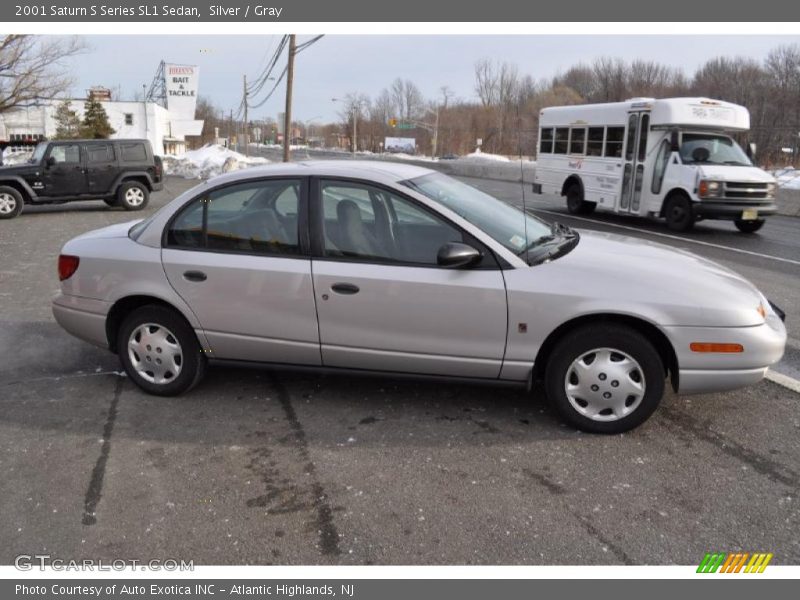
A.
pixel 673 158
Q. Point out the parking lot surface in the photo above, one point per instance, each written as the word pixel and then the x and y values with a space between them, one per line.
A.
pixel 287 467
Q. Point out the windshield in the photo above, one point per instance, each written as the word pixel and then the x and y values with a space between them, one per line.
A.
pixel 38 153
pixel 503 222
pixel 711 149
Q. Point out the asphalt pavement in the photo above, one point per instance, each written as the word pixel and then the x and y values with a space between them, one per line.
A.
pixel 282 467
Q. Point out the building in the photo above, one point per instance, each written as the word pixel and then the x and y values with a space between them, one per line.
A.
pixel 165 118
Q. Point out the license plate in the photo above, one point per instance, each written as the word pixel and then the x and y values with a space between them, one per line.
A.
pixel 749 214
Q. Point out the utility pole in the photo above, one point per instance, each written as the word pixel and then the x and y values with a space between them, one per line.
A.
pixel 355 131
pixel 246 136
pixel 435 132
pixel 287 123
pixel 230 129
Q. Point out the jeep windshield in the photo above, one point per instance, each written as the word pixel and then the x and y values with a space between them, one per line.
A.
pixel 38 153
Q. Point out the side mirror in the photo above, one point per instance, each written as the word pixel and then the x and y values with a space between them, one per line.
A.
pixel 751 151
pixel 50 162
pixel 674 146
pixel 454 255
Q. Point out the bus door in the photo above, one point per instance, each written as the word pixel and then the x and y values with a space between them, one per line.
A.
pixel 635 155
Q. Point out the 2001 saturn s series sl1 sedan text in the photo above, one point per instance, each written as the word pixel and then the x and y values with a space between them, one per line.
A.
pixel 387 267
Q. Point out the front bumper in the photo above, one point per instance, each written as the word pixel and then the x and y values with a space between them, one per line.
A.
pixel 731 210
pixel 84 318
pixel 700 372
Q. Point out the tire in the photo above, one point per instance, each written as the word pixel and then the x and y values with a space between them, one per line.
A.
pixel 167 329
pixel 133 195
pixel 576 205
pixel 749 226
pixel 678 212
pixel 10 202
pixel 593 364
pixel 112 202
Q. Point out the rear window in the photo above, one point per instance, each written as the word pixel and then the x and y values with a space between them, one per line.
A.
pixel 133 152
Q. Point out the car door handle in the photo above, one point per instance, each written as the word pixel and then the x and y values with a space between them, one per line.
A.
pixel 194 276
pixel 345 288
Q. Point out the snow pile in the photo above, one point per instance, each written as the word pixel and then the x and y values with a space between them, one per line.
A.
pixel 404 156
pixel 482 156
pixel 788 178
pixel 208 161
pixel 15 158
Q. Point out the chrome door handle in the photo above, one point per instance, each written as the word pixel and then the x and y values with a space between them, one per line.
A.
pixel 345 288
pixel 194 276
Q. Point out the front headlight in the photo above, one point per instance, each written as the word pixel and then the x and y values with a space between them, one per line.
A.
pixel 709 189
pixel 771 189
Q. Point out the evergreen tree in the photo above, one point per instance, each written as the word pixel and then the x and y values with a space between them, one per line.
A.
pixel 68 125
pixel 95 121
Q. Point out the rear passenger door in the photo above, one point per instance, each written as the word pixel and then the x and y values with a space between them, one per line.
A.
pixel 101 167
pixel 245 272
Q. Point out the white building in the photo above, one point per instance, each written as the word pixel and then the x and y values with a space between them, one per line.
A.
pixel 166 123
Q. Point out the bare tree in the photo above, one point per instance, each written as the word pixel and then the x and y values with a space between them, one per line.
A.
pixel 34 68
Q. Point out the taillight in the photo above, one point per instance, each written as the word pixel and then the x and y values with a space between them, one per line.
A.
pixel 67 265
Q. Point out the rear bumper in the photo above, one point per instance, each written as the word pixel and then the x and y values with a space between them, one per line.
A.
pixel 84 318
pixel 700 372
pixel 731 210
pixel 158 185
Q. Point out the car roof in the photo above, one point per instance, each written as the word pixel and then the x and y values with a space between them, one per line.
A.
pixel 372 169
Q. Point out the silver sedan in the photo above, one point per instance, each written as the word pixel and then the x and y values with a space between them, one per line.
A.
pixel 399 269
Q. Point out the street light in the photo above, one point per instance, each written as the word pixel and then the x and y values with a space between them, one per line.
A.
pixel 355 106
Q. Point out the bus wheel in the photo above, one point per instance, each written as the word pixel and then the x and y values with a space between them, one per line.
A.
pixel 678 212
pixel 576 205
pixel 749 226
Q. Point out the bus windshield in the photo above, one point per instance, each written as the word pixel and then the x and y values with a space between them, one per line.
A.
pixel 712 149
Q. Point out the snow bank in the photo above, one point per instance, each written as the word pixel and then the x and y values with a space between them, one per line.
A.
pixel 208 161
pixel 16 158
pixel 788 178
pixel 482 156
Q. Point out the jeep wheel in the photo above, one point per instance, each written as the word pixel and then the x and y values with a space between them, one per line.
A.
pixel 133 195
pixel 10 202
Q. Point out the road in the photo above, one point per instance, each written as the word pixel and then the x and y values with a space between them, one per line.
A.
pixel 281 467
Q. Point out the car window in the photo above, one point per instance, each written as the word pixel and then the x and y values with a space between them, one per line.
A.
pixel 66 153
pixel 133 152
pixel 100 153
pixel 242 218
pixel 370 223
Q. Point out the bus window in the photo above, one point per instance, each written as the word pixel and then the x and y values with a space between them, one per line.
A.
pixel 614 138
pixel 577 141
pixel 661 166
pixel 546 141
pixel 644 127
pixel 562 140
pixel 594 145
pixel 631 143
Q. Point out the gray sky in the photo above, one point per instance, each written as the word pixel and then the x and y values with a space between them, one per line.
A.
pixel 339 64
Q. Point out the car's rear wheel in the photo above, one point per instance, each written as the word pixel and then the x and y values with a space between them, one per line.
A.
pixel 159 351
pixel 10 202
pixel 576 205
pixel 605 378
pixel 678 213
pixel 133 195
pixel 749 226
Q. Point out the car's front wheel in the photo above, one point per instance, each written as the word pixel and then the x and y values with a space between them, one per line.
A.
pixel 133 195
pixel 10 202
pixel 159 351
pixel 605 378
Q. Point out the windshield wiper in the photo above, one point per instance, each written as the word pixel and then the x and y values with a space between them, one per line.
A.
pixel 560 233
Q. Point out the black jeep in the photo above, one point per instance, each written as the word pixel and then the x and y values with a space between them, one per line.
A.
pixel 119 172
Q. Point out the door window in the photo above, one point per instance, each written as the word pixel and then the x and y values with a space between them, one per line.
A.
pixel 256 217
pixel 630 146
pixel 366 222
pixel 660 167
pixel 644 127
pixel 66 154
pixel 100 153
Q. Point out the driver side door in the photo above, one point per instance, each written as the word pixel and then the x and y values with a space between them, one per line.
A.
pixel 383 301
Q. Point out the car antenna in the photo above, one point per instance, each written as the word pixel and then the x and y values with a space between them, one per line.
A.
pixel 522 180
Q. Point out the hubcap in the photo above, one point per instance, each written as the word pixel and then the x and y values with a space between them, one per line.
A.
pixel 134 196
pixel 7 204
pixel 155 353
pixel 605 384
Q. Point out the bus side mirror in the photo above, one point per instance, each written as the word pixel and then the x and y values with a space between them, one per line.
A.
pixel 751 151
pixel 674 146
